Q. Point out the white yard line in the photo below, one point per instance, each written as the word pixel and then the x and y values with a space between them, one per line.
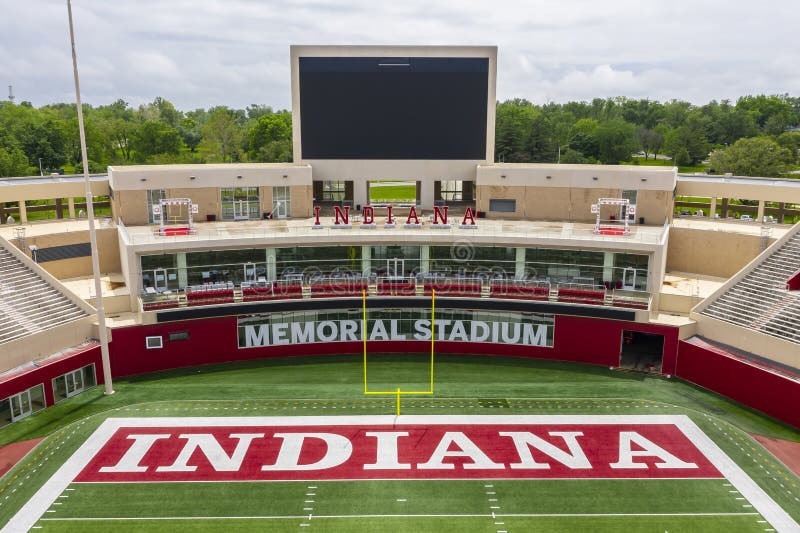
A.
pixel 31 512
pixel 334 517
pixel 766 506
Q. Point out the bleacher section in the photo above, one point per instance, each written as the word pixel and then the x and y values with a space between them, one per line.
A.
pixel 761 300
pixel 28 304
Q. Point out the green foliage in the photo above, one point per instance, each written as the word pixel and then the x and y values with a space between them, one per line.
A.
pixel 221 135
pixel 616 141
pixel 13 162
pixel 607 130
pixel 153 138
pixel 270 139
pixel 758 156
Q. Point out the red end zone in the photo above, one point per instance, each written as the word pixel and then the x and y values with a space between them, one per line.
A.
pixel 228 451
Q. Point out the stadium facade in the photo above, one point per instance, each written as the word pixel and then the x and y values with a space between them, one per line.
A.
pixel 582 263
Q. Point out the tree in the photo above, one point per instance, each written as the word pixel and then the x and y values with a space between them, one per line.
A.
pixel 221 135
pixel 513 120
pixel 13 163
pixel 756 156
pixel 582 137
pixel 650 140
pixel 690 137
pixel 270 140
pixel 791 141
pixel 152 138
pixel 616 141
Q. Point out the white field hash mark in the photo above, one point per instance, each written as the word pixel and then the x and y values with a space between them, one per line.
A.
pixel 35 508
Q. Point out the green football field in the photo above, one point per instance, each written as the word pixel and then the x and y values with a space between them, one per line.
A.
pixel 464 385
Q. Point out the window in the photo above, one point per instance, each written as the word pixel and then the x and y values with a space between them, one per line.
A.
pixel 452 190
pixel 333 190
pixel 502 206
pixel 240 203
pixel 154 197
pixel 72 383
pixel 155 342
pixel 281 202
pixel 22 405
pixel 179 336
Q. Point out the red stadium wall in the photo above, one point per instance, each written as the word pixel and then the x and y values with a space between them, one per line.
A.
pixel 214 340
pixel 739 380
pixel 45 374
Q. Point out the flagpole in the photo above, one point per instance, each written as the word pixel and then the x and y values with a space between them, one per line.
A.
pixel 98 288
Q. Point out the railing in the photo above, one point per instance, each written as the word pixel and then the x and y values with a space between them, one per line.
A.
pixel 333 287
pixel 505 231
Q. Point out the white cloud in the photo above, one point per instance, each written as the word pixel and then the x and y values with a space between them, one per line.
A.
pixel 200 53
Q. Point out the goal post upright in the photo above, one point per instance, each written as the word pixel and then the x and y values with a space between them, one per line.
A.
pixel 398 392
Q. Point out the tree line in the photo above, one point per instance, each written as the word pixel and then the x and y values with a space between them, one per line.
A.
pixel 756 135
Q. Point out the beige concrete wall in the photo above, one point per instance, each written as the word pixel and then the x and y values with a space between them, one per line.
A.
pixel 547 203
pixel 131 207
pixel 144 177
pixel 50 341
pixel 713 253
pixel 107 243
pixel 32 188
pixel 265 197
pixel 302 201
pixel 654 206
pixel 748 340
pixel 206 198
pixel 581 201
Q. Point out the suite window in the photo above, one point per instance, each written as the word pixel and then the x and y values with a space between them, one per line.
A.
pixel 452 190
pixel 72 383
pixel 333 191
pixel 240 203
pixel 154 197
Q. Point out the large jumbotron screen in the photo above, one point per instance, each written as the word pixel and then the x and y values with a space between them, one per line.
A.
pixel 393 108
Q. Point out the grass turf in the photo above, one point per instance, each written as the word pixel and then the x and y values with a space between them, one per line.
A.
pixel 464 385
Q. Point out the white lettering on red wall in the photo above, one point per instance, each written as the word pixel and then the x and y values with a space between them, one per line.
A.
pixel 407 451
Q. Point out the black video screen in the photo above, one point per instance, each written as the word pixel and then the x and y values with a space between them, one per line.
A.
pixel 393 108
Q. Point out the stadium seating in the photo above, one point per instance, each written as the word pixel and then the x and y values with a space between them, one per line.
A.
pixel 760 300
pixel 28 304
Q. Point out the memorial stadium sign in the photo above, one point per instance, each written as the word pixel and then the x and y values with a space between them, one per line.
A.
pixel 255 332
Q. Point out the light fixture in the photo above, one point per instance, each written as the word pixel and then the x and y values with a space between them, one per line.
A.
pixel 503 176
pixel 285 176
pixel 644 179
pixel 142 179
pixel 594 178
pixel 192 177
pixel 549 177
pixel 238 177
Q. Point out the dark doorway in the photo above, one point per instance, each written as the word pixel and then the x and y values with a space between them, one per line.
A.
pixel 641 352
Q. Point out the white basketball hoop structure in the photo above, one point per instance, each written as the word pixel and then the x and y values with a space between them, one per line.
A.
pixel 628 211
pixel 175 216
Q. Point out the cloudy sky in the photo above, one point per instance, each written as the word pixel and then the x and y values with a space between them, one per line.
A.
pixel 201 53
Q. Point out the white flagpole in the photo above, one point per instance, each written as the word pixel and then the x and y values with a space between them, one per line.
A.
pixel 98 288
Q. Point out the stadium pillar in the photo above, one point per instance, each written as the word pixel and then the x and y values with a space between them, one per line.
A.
pixel 272 272
pixel 608 266
pixel 23 213
pixel 424 259
pixel 760 217
pixel 426 194
pixel 712 207
pixel 519 265
pixel 71 207
pixel 183 278
pixel 360 193
pixel 366 261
